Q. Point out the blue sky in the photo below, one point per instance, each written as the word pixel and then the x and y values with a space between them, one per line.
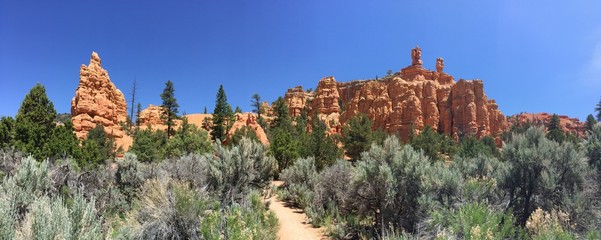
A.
pixel 533 56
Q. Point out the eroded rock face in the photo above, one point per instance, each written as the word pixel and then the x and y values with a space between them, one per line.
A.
pixel 413 98
pixel 151 115
pixel 250 120
pixel 97 101
pixel 571 125
pixel 296 99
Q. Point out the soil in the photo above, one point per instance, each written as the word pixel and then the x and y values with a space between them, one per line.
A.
pixel 293 221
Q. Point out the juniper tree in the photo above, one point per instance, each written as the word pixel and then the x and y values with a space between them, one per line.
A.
pixel 169 106
pixel 7 131
pixel 35 122
pixel 222 116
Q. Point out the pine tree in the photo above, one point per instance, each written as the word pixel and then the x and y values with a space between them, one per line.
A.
pixel 357 136
pixel 323 147
pixel 280 109
pixel 590 122
pixel 133 101
pixel 554 130
pixel 170 108
pixel 222 116
pixel 598 110
pixel 138 111
pixel 35 122
pixel 238 110
pixel 255 102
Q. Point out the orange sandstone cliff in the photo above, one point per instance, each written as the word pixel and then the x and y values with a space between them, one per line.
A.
pixel 409 99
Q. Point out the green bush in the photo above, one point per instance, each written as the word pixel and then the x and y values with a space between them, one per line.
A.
pixel 188 139
pixel 148 144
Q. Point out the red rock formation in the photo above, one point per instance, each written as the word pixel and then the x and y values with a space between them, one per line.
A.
pixel 97 101
pixel 413 98
pixel 296 99
pixel 250 120
pixel 151 115
pixel 571 125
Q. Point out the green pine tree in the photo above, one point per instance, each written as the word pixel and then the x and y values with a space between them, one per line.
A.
pixel 590 122
pixel 138 111
pixel 282 117
pixel 357 136
pixel 554 129
pixel 598 110
pixel 238 110
pixel 35 123
pixel 170 107
pixel 323 147
pixel 255 102
pixel 222 116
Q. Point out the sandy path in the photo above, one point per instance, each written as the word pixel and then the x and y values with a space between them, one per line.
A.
pixel 293 221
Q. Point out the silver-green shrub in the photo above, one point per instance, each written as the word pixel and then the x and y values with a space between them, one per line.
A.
pixel 232 172
pixel 387 185
pixel 542 174
pixel 299 182
pixel 50 218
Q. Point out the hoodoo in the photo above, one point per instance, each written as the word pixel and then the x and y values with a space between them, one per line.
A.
pixel 97 101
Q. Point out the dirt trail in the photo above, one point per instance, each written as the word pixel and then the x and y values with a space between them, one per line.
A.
pixel 293 221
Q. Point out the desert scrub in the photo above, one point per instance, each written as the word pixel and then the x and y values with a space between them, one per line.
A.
pixel 28 210
pixel 474 221
pixel 233 172
pixel 170 209
pixel 250 220
pixel 52 219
